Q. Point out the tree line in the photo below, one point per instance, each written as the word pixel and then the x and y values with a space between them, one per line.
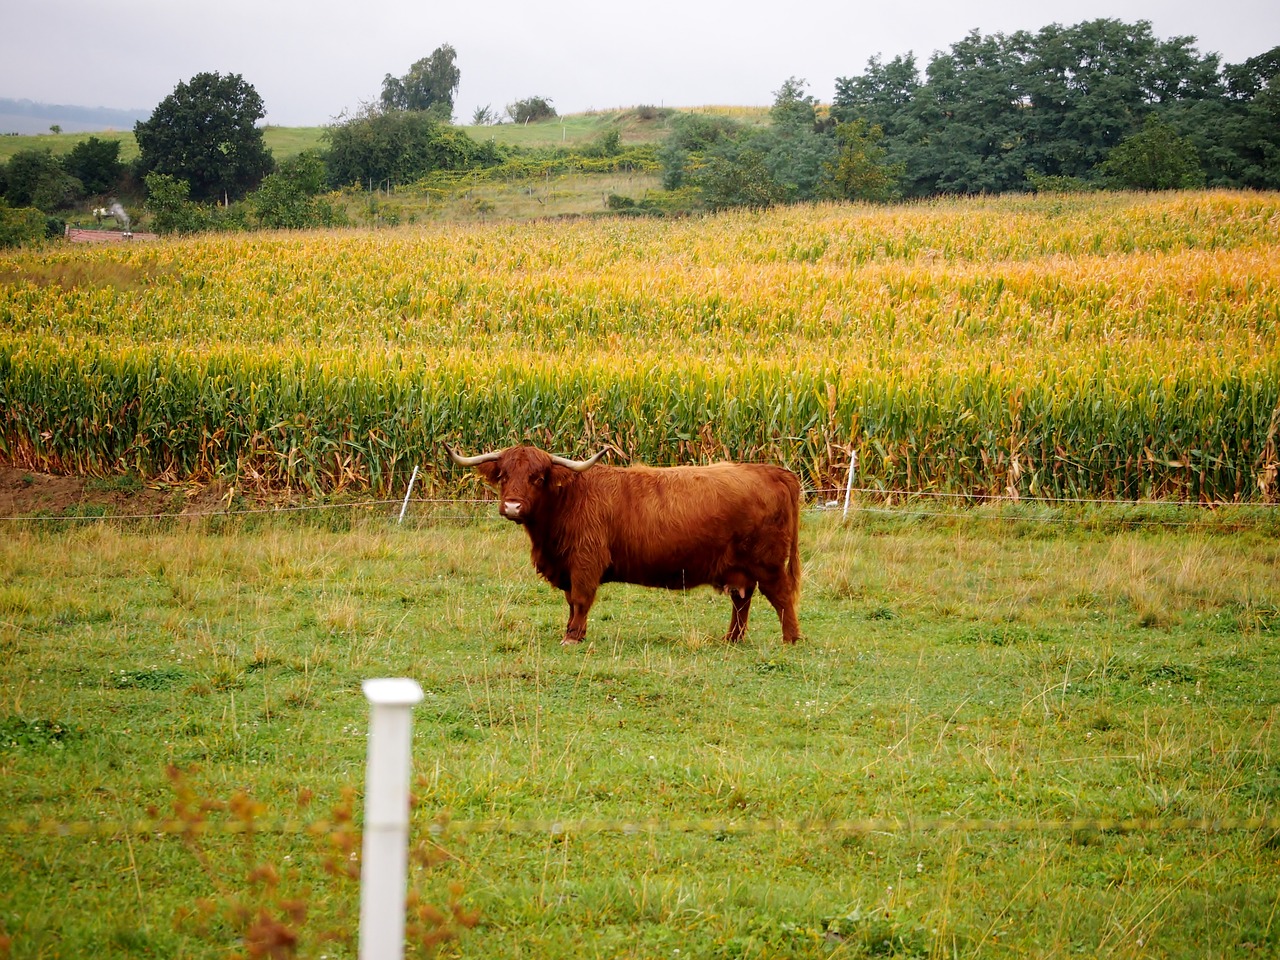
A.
pixel 1103 103
pixel 1100 104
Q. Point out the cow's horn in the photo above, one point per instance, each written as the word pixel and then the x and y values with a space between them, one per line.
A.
pixel 577 466
pixel 472 461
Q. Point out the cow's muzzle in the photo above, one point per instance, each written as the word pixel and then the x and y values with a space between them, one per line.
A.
pixel 512 510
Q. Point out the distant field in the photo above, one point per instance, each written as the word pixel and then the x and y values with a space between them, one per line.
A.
pixel 60 143
pixel 283 141
pixel 573 130
pixel 578 194
pixel 635 125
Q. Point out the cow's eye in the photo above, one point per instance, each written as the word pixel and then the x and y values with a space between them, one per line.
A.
pixel 539 479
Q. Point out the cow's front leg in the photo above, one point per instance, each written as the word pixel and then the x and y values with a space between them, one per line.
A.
pixel 580 600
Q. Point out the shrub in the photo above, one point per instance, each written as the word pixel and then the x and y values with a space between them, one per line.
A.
pixel 531 110
pixel 399 146
pixel 21 225
pixel 1155 158
pixel 96 164
pixel 171 211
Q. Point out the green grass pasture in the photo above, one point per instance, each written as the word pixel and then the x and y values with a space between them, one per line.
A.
pixel 283 142
pixel 574 130
pixel 513 200
pixel 1023 665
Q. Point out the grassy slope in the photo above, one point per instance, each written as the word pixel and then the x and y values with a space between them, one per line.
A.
pixel 975 668
pixel 282 141
pixel 572 194
pixel 574 130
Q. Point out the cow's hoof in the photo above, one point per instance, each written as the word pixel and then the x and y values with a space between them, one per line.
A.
pixel 570 641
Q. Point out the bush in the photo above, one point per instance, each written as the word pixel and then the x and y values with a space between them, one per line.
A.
pixel 741 181
pixel 1154 158
pixel 648 111
pixel 289 199
pixel 171 211
pixel 691 136
pixel 35 178
pixel 1045 183
pixel 531 110
pixel 860 170
pixel 21 225
pixel 608 144
pixel 96 164
pixel 397 146
pixel 59 191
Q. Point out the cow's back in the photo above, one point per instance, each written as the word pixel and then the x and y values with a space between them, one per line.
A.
pixel 685 526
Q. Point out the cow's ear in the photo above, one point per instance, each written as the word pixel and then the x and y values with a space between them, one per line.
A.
pixel 558 476
pixel 490 472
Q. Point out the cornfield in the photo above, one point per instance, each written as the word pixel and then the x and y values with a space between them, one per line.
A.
pixel 1108 345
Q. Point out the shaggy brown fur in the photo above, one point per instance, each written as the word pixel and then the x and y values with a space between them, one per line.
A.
pixel 731 526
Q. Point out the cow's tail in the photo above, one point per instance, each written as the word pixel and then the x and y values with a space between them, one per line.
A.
pixel 793 562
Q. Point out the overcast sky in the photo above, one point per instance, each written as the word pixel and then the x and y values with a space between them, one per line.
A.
pixel 312 59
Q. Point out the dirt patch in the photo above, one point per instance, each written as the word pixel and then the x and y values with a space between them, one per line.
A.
pixel 25 493
pixel 76 235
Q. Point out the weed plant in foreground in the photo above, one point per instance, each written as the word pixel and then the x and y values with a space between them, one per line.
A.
pixel 952 668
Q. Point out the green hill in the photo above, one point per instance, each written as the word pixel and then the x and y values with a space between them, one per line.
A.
pixel 635 125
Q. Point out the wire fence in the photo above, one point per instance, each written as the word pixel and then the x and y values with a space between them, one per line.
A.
pixel 869 502
pixel 878 499
pixel 867 826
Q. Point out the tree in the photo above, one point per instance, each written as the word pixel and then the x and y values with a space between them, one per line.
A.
pixel 1155 158
pixel 1094 84
pixel 396 146
pixel 690 137
pixel 35 178
pixel 796 157
pixel 95 163
pixel 1251 132
pixel 430 85
pixel 966 128
pixel 204 133
pixel 171 210
pixel 21 226
pixel 744 181
pixel 861 171
pixel 289 198
pixel 881 96
pixel 792 107
pixel 531 110
pixel 995 111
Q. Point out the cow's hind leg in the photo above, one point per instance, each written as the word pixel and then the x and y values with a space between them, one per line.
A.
pixel 781 592
pixel 740 597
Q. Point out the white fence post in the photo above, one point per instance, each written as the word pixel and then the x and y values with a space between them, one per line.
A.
pixel 848 486
pixel 384 863
pixel 408 493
